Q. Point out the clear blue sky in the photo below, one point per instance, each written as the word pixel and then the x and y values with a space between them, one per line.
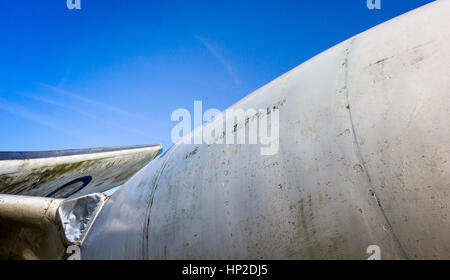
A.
pixel 113 72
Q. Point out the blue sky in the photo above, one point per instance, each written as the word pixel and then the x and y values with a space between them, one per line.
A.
pixel 112 73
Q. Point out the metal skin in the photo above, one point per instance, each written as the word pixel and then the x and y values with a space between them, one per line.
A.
pixel 29 228
pixel 29 225
pixel 71 173
pixel 363 160
pixel 41 227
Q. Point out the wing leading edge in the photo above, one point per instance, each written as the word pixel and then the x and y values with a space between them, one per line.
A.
pixel 71 173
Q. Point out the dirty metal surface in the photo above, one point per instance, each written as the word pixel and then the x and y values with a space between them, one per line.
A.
pixel 363 160
pixel 29 228
pixel 70 173
pixel 42 228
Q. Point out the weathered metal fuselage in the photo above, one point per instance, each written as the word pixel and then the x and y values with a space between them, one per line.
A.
pixel 363 160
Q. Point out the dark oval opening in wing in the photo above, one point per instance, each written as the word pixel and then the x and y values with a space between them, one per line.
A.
pixel 71 188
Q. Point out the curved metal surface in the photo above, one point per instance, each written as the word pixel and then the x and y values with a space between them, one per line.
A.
pixel 49 173
pixel 363 160
pixel 70 152
pixel 41 228
pixel 30 228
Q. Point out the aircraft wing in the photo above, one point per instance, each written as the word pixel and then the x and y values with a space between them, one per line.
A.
pixel 71 173
pixel 36 219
